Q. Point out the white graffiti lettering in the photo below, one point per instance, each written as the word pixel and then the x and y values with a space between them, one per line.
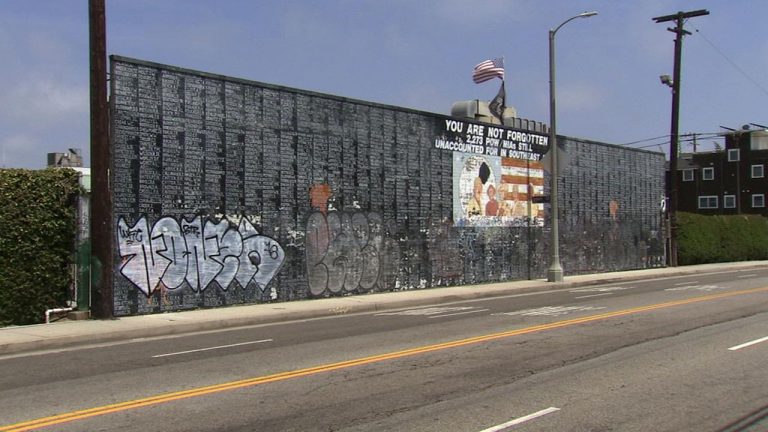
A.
pixel 197 252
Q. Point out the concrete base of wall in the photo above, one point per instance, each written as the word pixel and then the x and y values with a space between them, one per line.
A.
pixel 79 315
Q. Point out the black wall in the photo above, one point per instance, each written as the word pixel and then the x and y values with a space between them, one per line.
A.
pixel 229 191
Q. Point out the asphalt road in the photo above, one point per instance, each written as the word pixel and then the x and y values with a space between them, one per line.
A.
pixel 674 354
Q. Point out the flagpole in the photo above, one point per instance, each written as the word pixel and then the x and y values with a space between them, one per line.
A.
pixel 504 91
pixel 504 88
pixel 504 101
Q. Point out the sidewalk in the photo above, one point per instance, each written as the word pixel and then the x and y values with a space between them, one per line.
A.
pixel 68 333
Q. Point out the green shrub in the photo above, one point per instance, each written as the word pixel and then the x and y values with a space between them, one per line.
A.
pixel 707 239
pixel 37 216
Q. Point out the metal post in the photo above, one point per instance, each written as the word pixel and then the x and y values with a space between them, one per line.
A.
pixel 555 272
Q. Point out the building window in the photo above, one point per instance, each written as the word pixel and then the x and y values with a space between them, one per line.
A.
pixel 708 173
pixel 758 200
pixel 687 175
pixel 757 171
pixel 759 140
pixel 733 155
pixel 708 202
pixel 729 201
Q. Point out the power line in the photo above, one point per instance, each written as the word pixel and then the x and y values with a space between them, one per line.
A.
pixel 644 140
pixel 731 62
pixel 689 137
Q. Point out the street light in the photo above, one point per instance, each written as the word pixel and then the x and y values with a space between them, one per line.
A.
pixel 555 272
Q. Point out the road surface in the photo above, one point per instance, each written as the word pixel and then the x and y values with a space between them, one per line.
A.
pixel 681 353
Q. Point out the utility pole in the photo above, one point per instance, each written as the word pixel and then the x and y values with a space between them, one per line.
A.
pixel 101 198
pixel 674 144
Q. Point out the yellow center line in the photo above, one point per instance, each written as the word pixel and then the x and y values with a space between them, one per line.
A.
pixel 200 391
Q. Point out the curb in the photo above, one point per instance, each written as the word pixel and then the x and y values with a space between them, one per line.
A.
pixel 93 332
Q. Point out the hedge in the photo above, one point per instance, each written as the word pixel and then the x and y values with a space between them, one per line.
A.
pixel 708 239
pixel 38 219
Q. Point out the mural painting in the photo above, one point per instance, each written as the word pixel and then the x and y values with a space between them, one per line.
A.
pixel 496 173
pixel 198 252
pixel 495 191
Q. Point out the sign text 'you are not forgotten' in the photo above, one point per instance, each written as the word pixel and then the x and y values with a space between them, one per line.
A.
pixel 491 141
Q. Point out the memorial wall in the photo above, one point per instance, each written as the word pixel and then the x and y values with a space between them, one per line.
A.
pixel 228 191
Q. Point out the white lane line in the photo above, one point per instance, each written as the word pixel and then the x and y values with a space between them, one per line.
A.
pixel 744 345
pixel 687 283
pixel 520 420
pixel 593 295
pixel 601 289
pixel 213 348
pixel 706 288
pixel 428 311
pixel 747 275
pixel 459 313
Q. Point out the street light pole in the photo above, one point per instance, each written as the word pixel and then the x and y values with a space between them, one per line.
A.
pixel 555 272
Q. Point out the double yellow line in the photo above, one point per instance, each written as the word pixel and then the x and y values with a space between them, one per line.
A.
pixel 200 391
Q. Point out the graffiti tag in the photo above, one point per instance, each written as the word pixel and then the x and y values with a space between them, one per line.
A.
pixel 343 251
pixel 197 252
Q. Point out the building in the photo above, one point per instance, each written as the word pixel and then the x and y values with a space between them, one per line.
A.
pixel 726 181
pixel 72 159
pixel 480 110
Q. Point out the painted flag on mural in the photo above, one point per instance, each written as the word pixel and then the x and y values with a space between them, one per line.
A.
pixel 488 70
pixel 521 180
pixel 497 103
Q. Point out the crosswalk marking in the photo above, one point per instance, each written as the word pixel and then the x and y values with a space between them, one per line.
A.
pixel 552 310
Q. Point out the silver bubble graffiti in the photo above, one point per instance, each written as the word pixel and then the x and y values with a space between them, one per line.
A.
pixel 198 252
pixel 343 251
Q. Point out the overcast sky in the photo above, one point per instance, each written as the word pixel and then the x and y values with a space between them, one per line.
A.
pixel 411 53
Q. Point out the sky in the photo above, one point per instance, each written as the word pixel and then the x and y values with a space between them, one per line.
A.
pixel 416 54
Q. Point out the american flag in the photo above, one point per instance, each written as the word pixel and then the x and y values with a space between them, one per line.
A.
pixel 521 180
pixel 487 70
